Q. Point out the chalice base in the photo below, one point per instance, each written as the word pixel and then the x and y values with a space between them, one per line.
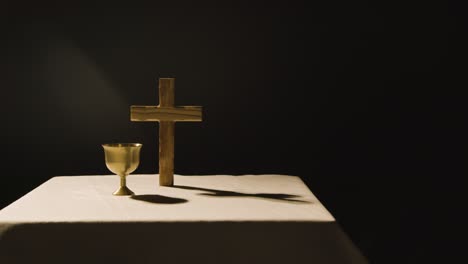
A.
pixel 123 190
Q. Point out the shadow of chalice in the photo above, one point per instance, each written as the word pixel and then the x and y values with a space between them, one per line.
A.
pixel 122 159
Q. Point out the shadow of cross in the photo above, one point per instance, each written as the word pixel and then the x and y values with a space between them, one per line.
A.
pixel 222 193
pixel 166 114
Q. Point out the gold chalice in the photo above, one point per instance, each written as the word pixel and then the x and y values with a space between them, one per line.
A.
pixel 122 159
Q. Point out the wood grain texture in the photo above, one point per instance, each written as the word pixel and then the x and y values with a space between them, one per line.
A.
pixel 166 153
pixel 166 92
pixel 166 114
pixel 156 113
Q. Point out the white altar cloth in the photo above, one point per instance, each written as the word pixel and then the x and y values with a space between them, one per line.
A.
pixel 202 219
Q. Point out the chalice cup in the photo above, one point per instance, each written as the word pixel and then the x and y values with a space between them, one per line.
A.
pixel 122 159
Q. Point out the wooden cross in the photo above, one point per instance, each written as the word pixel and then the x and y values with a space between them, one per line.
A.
pixel 166 114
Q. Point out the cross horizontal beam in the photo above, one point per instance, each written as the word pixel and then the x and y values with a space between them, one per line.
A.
pixel 156 113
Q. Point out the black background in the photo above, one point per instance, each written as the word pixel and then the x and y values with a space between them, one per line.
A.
pixel 361 99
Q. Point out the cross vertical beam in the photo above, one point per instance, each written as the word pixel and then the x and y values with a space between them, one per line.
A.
pixel 166 134
pixel 166 114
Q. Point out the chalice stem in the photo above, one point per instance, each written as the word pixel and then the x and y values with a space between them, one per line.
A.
pixel 123 190
pixel 123 180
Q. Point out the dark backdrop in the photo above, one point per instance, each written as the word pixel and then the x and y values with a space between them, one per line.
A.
pixel 358 98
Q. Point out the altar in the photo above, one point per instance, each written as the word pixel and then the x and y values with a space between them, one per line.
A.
pixel 201 219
